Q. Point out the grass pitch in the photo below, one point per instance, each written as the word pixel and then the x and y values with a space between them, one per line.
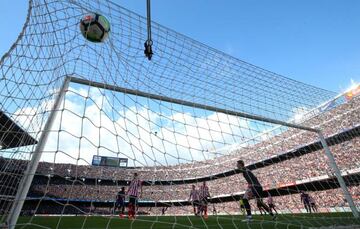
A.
pixel 182 222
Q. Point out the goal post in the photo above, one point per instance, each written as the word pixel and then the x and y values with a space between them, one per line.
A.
pixel 94 114
pixel 338 175
pixel 32 166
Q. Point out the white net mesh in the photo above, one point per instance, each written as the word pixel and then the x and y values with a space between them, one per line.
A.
pixel 180 119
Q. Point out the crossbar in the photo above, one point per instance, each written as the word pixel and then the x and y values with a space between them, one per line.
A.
pixel 187 103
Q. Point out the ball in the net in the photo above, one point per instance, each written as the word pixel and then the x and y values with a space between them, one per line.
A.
pixel 95 27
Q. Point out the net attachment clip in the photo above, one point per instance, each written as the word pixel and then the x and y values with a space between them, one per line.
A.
pixel 148 49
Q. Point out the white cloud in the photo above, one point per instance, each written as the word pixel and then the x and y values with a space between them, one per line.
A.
pixel 91 122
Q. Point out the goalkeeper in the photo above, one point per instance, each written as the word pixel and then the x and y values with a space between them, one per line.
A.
pixel 254 190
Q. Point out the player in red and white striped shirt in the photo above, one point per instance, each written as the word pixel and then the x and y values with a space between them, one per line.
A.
pixel 204 194
pixel 194 197
pixel 133 192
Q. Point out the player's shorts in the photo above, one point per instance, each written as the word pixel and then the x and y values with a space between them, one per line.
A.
pixel 271 205
pixel 307 204
pixel 133 200
pixel 257 191
pixel 253 192
pixel 196 203
pixel 119 203
pixel 204 201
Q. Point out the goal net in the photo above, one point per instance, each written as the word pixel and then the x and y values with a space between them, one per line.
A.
pixel 79 119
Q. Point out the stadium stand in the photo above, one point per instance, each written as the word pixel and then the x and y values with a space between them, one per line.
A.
pixel 299 162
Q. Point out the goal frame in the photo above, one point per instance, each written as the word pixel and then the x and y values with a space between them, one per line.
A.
pixel 33 164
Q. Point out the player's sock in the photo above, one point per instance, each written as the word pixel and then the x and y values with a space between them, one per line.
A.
pixel 129 210
pixel 247 207
pixel 132 210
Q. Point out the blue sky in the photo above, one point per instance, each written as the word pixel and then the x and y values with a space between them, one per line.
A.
pixel 316 42
pixel 312 42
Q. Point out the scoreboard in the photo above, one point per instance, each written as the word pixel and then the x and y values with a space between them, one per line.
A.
pixel 109 161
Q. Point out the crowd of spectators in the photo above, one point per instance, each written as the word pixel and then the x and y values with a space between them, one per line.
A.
pixel 343 117
pixel 300 168
pixel 326 201
pixel 314 164
pixel 281 173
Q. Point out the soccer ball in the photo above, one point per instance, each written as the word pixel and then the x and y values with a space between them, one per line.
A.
pixel 95 27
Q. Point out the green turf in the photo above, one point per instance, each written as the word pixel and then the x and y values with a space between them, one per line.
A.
pixel 180 222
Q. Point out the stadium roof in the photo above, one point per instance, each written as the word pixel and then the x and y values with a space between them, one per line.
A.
pixel 12 135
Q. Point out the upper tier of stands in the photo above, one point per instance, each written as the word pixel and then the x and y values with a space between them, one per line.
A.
pixel 343 117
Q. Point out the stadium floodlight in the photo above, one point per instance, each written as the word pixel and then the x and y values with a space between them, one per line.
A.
pixel 187 117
